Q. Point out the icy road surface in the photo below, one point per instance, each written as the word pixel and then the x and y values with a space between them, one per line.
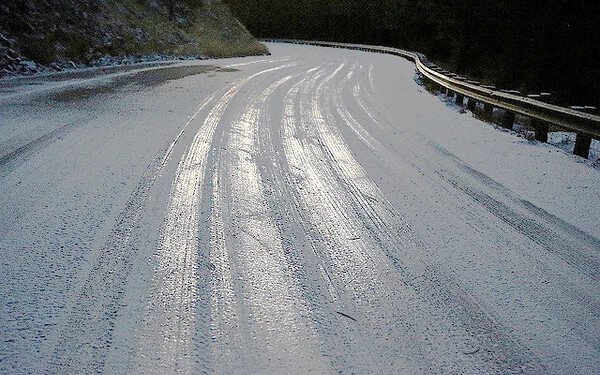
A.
pixel 312 211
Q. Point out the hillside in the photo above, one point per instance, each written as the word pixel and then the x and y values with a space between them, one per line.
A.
pixel 42 35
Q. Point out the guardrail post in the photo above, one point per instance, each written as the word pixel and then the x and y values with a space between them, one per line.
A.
pixel 460 99
pixel 471 104
pixel 488 110
pixel 449 93
pixel 434 85
pixel 582 145
pixel 541 129
pixel 508 119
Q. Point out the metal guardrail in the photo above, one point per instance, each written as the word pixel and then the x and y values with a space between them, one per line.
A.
pixel 586 125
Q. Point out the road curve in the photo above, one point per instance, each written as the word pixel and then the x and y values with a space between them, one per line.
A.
pixel 313 211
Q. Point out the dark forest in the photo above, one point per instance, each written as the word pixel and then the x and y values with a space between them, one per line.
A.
pixel 531 46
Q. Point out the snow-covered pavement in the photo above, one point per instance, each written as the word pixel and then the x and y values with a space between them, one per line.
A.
pixel 313 211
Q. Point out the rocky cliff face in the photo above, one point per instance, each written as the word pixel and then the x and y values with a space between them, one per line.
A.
pixel 46 35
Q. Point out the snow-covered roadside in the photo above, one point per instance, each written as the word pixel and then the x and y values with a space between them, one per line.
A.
pixel 566 141
pixel 562 139
pixel 29 67
pixel 20 85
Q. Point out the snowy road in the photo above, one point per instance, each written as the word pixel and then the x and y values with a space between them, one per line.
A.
pixel 311 211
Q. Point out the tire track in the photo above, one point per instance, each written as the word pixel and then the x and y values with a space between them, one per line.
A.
pixel 11 161
pixel 585 239
pixel 340 154
pixel 312 199
pixel 165 341
pixel 580 298
pixel 280 59
pixel 586 260
pixel 280 317
pixel 369 284
pixel 87 333
pixel 301 238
